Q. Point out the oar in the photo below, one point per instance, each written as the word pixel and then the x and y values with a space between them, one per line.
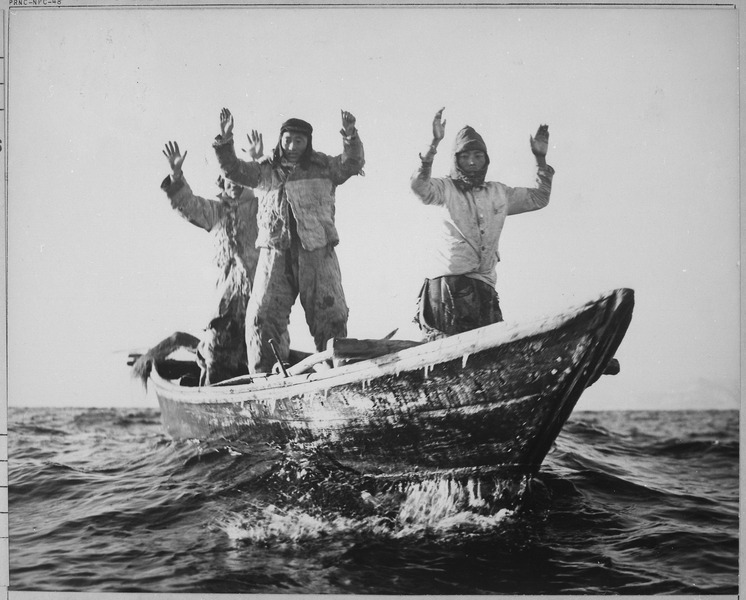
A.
pixel 364 349
pixel 340 348
pixel 351 348
pixel 309 362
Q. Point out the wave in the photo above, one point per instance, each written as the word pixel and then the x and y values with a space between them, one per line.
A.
pixel 684 449
pixel 34 430
pixel 625 504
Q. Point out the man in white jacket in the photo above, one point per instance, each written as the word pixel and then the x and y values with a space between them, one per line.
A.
pixel 461 295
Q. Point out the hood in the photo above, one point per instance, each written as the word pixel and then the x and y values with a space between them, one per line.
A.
pixel 468 139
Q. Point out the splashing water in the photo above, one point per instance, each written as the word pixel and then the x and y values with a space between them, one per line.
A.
pixel 273 524
pixel 439 506
pixel 444 504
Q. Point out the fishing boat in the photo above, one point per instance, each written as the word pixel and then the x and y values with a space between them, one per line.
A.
pixel 490 400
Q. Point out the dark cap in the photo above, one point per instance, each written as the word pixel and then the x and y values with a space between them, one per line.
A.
pixel 298 126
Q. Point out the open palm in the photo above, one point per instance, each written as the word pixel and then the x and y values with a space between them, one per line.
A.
pixel 439 126
pixel 348 123
pixel 540 142
pixel 226 123
pixel 174 157
pixel 256 144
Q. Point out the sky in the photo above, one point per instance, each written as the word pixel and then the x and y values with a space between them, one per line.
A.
pixel 642 108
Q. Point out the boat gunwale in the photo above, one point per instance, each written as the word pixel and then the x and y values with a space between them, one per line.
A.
pixel 422 356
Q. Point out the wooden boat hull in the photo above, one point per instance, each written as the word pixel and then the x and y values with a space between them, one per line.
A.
pixel 492 399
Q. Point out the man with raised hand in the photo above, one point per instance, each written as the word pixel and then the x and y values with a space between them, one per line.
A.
pixel 460 295
pixel 297 235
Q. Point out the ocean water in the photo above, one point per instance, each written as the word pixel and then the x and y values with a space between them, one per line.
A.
pixel 101 500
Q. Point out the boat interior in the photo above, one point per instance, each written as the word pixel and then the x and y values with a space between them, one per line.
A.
pixel 340 351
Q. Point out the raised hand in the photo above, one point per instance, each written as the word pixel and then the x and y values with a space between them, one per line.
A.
pixel 174 157
pixel 256 145
pixel 540 143
pixel 348 123
pixel 226 123
pixel 439 126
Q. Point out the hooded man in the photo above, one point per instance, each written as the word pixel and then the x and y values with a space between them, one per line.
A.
pixel 231 219
pixel 297 235
pixel 461 294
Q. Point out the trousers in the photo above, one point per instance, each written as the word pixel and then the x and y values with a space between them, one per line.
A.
pixel 281 277
pixel 456 303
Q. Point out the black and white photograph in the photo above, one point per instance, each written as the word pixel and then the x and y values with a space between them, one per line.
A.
pixel 372 298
